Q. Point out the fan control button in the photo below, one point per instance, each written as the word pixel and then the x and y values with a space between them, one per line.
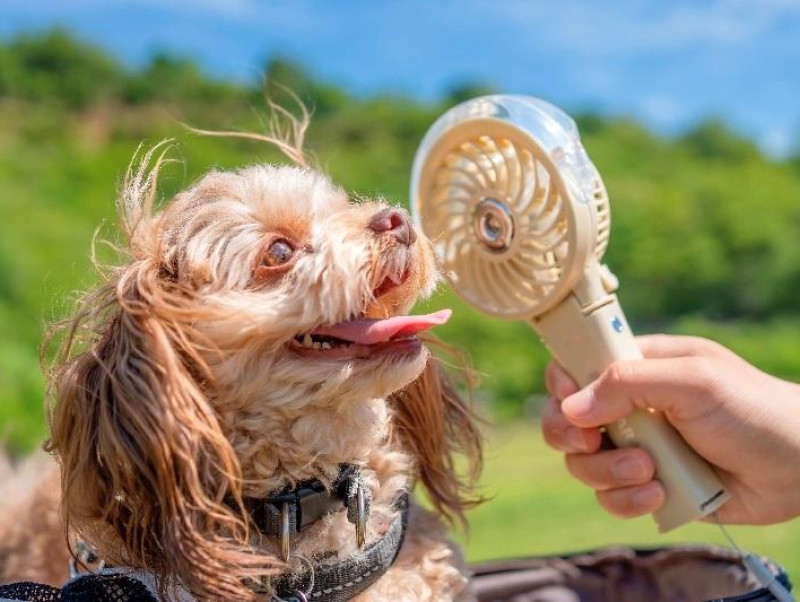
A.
pixel 609 280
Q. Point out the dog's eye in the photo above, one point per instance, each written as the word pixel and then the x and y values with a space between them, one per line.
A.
pixel 274 261
pixel 278 253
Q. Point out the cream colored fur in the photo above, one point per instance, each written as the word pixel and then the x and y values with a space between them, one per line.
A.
pixel 286 418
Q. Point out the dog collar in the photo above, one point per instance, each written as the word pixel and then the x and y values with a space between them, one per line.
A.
pixel 293 510
pixel 321 581
pixel 342 581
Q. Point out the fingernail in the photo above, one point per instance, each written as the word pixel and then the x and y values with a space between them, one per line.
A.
pixel 580 404
pixel 647 497
pixel 629 468
pixel 575 439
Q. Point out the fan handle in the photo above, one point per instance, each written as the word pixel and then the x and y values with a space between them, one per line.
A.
pixel 585 341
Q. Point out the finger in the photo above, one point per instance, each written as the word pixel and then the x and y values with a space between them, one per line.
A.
pixel 612 469
pixel 682 387
pixel 559 383
pixel 629 502
pixel 563 436
pixel 656 346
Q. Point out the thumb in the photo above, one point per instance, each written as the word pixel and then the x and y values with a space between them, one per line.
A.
pixel 677 386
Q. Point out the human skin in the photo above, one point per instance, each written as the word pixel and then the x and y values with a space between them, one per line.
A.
pixel 744 422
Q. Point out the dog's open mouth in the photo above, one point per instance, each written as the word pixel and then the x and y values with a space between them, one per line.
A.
pixel 364 337
pixel 390 282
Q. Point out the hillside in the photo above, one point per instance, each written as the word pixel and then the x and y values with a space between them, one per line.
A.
pixel 705 228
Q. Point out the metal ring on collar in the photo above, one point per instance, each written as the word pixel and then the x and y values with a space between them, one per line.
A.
pixel 300 596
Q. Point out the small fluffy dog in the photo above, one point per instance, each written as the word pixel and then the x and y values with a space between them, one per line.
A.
pixel 256 342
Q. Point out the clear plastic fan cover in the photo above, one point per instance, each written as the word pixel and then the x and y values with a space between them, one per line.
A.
pixel 514 207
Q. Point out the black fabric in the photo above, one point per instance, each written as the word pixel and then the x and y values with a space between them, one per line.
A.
pixel 106 588
pixel 35 592
pixel 342 581
pixel 91 588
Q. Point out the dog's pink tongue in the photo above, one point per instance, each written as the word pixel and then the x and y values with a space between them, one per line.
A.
pixel 368 331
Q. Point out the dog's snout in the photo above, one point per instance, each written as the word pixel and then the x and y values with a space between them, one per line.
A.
pixel 394 221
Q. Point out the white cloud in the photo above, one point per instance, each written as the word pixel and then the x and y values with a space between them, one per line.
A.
pixel 779 141
pixel 663 111
pixel 604 28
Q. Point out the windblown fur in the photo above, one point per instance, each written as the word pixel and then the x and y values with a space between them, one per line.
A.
pixel 176 387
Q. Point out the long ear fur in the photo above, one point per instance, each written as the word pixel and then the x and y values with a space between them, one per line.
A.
pixel 145 464
pixel 437 425
pixel 285 131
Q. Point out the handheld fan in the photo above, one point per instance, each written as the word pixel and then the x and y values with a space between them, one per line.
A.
pixel 519 218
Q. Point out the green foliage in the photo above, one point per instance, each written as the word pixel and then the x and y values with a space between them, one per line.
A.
pixel 56 68
pixel 771 345
pixel 712 140
pixel 465 91
pixel 285 79
pixel 172 79
pixel 704 236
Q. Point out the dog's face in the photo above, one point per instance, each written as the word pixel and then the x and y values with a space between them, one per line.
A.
pixel 259 317
pixel 308 288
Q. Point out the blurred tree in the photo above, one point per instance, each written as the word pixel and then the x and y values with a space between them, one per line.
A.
pixel 177 79
pixel 589 123
pixel 54 67
pixel 8 71
pixel 284 77
pixel 714 140
pixel 167 77
pixel 469 89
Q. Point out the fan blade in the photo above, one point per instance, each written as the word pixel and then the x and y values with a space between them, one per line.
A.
pixel 513 170
pixel 473 155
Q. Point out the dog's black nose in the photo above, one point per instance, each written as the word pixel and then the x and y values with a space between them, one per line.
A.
pixel 393 221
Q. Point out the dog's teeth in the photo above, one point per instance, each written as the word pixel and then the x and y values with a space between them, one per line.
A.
pixel 307 342
pixel 317 345
pixel 326 345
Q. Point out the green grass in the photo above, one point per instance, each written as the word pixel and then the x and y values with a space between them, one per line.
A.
pixel 538 509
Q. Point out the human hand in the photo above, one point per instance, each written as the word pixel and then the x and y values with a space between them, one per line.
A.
pixel 743 421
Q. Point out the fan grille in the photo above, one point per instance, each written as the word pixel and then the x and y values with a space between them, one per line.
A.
pixel 603 213
pixel 499 222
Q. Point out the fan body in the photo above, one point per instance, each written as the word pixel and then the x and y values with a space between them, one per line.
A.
pixel 519 218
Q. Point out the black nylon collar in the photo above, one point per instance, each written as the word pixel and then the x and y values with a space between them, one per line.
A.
pixel 306 503
pixel 293 510
pixel 342 581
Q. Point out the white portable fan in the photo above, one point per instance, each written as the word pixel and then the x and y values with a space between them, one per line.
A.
pixel 519 218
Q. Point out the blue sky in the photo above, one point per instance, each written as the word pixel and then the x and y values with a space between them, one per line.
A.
pixel 668 63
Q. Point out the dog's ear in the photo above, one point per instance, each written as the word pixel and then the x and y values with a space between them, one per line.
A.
pixel 146 467
pixel 437 425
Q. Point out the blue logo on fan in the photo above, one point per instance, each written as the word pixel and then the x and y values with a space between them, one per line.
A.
pixel 617 325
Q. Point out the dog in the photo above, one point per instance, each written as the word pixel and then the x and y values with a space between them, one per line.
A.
pixel 254 343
